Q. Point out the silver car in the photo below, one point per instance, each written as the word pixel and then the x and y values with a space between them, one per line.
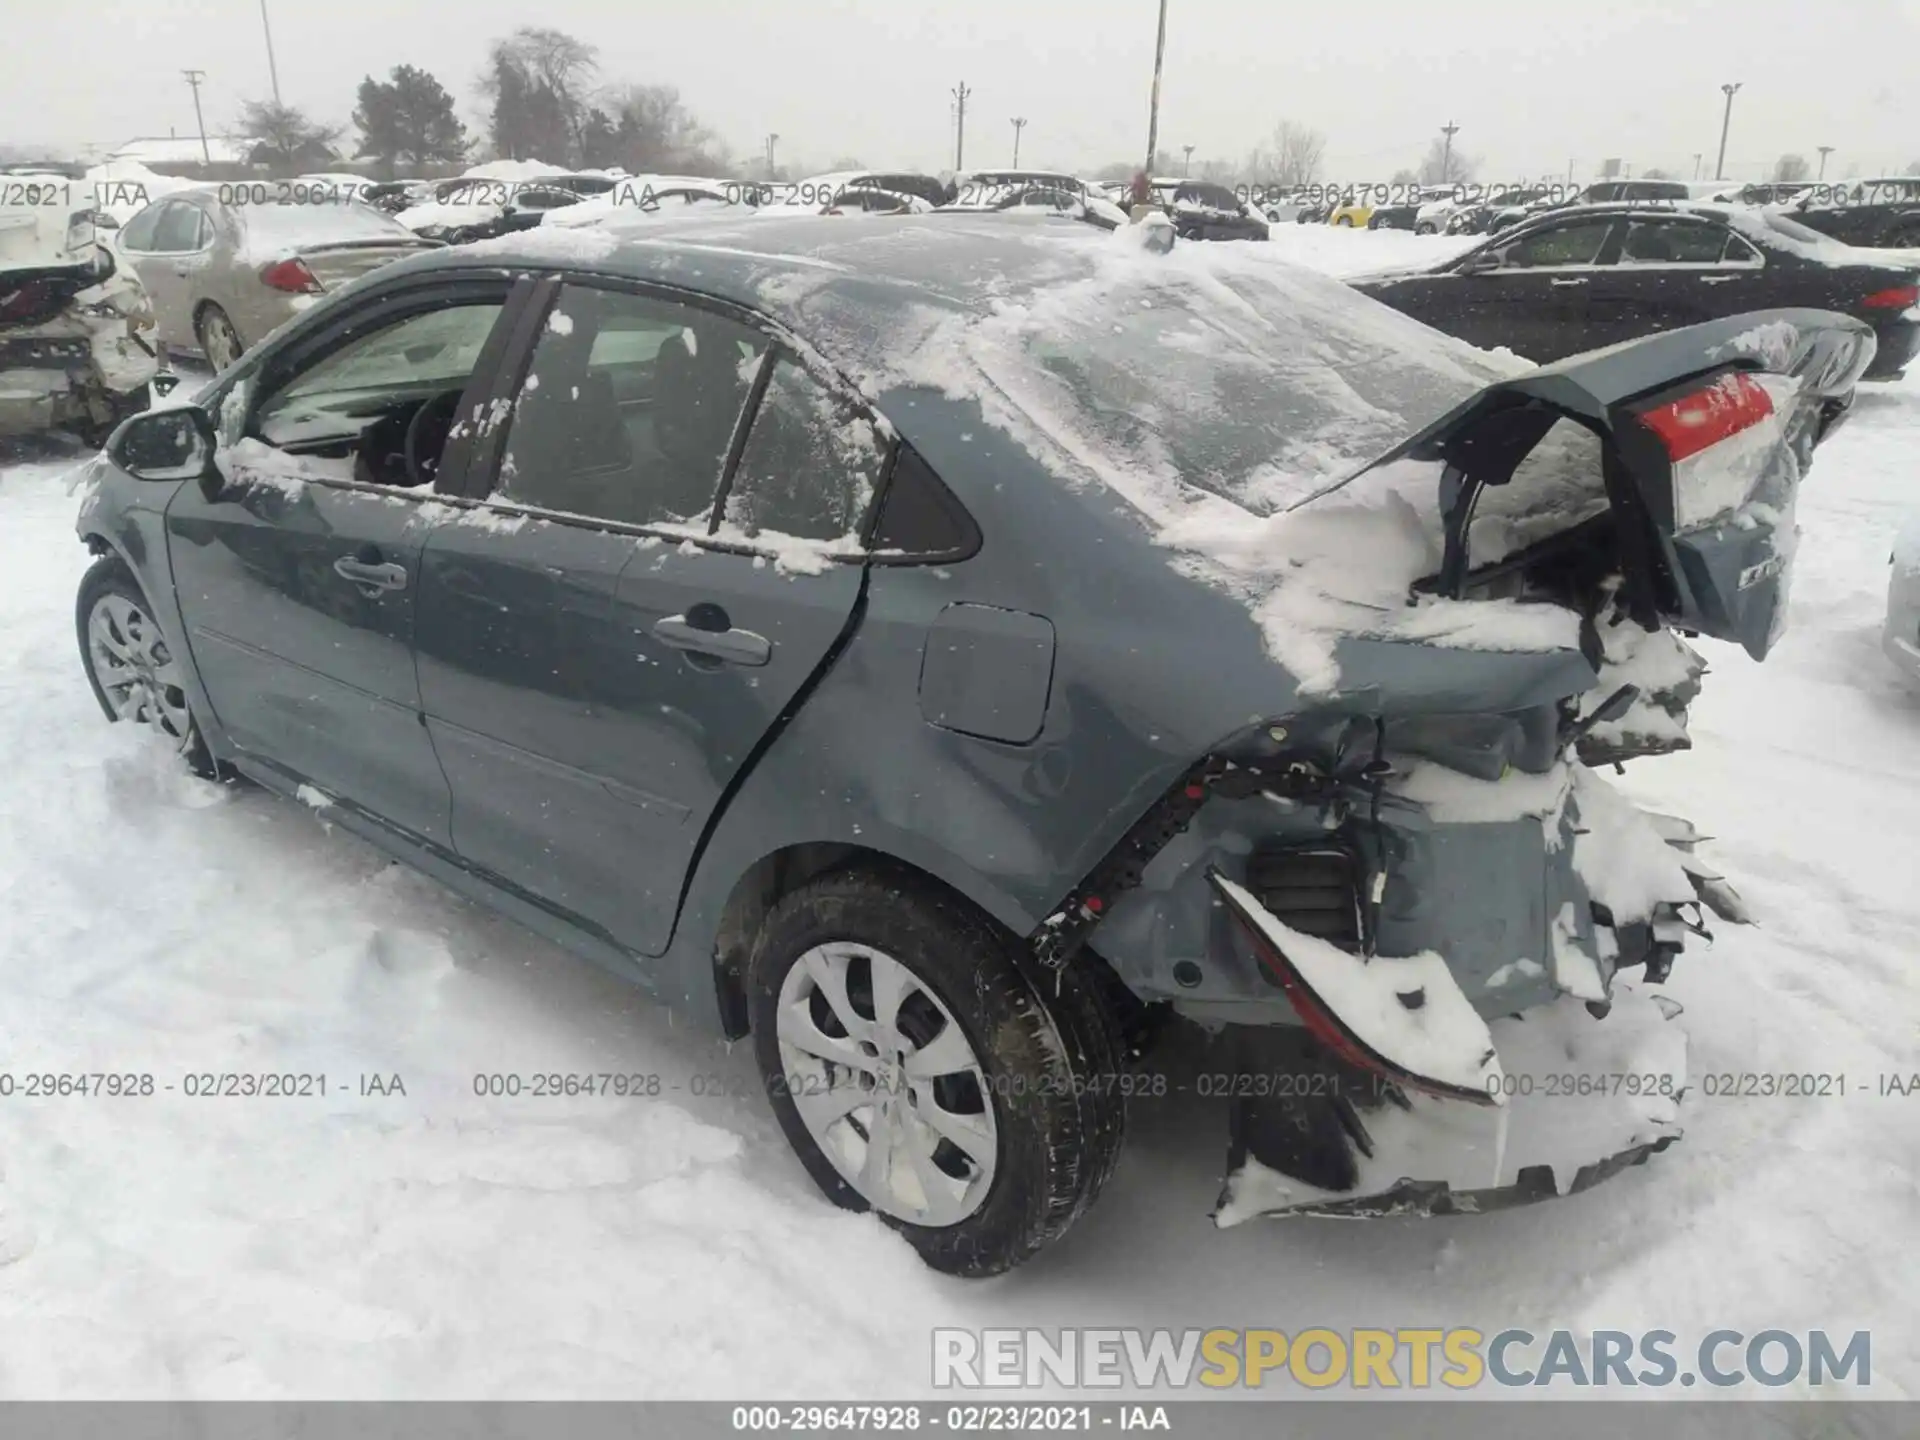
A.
pixel 1901 638
pixel 221 272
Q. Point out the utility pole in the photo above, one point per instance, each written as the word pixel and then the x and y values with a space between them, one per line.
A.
pixel 1153 111
pixel 771 141
pixel 272 72
pixel 194 77
pixel 960 94
pixel 1696 164
pixel 1446 152
pixel 1825 150
pixel 1019 124
pixel 1187 167
pixel 1726 119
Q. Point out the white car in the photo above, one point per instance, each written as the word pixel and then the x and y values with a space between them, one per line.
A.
pixel 649 196
pixel 71 355
pixel 1901 638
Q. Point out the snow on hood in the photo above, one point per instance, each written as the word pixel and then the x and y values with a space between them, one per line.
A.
pixel 1216 390
pixel 516 170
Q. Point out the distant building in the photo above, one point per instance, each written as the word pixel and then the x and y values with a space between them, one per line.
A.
pixel 169 152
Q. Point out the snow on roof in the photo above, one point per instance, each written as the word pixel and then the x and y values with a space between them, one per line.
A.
pixel 180 150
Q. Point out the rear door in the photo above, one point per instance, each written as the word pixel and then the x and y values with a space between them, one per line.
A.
pixel 1674 270
pixel 297 572
pixel 164 245
pixel 640 585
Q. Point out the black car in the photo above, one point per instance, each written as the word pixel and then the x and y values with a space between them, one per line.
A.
pixel 1872 212
pixel 1575 280
pixel 1601 192
pixel 1203 210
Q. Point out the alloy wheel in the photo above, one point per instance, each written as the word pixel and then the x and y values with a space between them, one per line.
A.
pixel 219 339
pixel 887 1084
pixel 136 670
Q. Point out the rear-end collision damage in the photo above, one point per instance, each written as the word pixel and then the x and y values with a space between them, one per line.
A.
pixel 1409 901
pixel 72 354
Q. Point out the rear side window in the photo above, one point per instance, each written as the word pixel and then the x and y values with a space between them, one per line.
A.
pixel 628 408
pixel 922 519
pixel 811 462
pixel 1672 242
pixel 181 228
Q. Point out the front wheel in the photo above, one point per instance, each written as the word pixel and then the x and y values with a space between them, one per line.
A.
pixel 134 672
pixel 919 1071
pixel 1345 222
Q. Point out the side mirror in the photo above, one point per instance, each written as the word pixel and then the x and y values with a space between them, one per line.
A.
pixel 1479 263
pixel 174 444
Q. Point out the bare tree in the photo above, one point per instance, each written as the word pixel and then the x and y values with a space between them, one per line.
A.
pixel 1291 155
pixel 1654 172
pixel 282 137
pixel 1914 168
pixel 1404 176
pixel 1444 167
pixel 1791 167
pixel 536 82
pixel 654 132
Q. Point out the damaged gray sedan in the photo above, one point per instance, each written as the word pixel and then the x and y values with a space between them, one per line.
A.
pixel 945 651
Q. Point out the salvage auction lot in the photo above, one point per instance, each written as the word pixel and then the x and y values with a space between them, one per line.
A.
pixel 343 1195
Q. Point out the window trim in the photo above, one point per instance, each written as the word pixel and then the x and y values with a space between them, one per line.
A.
pixel 481 478
pixel 412 295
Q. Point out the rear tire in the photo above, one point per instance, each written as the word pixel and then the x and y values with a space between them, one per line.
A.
pixel 219 341
pixel 130 664
pixel 1026 1079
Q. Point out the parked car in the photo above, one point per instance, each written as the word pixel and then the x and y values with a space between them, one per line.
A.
pixel 1205 210
pixel 863 666
pixel 1074 202
pixel 1601 192
pixel 1433 201
pixel 1573 280
pixel 1879 213
pixel 393 196
pixel 816 194
pixel 1900 637
pixel 221 276
pixel 670 196
pixel 1783 192
pixel 1350 212
pixel 470 208
pixel 72 352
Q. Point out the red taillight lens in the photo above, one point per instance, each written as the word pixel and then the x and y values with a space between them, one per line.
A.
pixel 292 276
pixel 1694 422
pixel 29 299
pixel 1897 297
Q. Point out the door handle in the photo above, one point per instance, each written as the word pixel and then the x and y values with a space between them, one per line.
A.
pixel 374 579
pixel 1557 284
pixel 736 647
pixel 1717 279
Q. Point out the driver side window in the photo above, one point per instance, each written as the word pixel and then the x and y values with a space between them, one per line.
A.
pixel 357 411
pixel 1575 243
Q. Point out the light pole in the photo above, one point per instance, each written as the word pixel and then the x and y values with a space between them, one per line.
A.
pixel 1825 150
pixel 194 77
pixel 772 140
pixel 1696 164
pixel 1186 167
pixel 1726 119
pixel 1019 124
pixel 1446 153
pixel 960 94
pixel 273 72
pixel 1153 112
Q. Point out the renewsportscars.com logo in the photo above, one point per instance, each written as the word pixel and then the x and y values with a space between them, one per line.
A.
pixel 1413 1359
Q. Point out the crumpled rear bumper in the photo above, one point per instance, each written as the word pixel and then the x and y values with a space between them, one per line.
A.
pixel 1585 1097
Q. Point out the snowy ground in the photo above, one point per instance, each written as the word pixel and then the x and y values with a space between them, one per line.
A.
pixel 440 1245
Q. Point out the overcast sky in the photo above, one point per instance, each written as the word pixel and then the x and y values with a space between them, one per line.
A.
pixel 1533 84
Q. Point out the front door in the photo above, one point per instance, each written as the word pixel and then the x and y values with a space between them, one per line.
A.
pixel 1535 300
pixel 599 654
pixel 297 572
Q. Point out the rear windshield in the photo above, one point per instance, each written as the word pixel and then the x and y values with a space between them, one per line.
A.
pixel 291 226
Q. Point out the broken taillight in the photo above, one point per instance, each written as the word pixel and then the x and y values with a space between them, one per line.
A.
pixel 29 299
pixel 291 275
pixel 1895 297
pixel 1723 409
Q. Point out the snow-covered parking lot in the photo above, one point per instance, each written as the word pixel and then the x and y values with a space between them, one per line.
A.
pixel 370 1243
